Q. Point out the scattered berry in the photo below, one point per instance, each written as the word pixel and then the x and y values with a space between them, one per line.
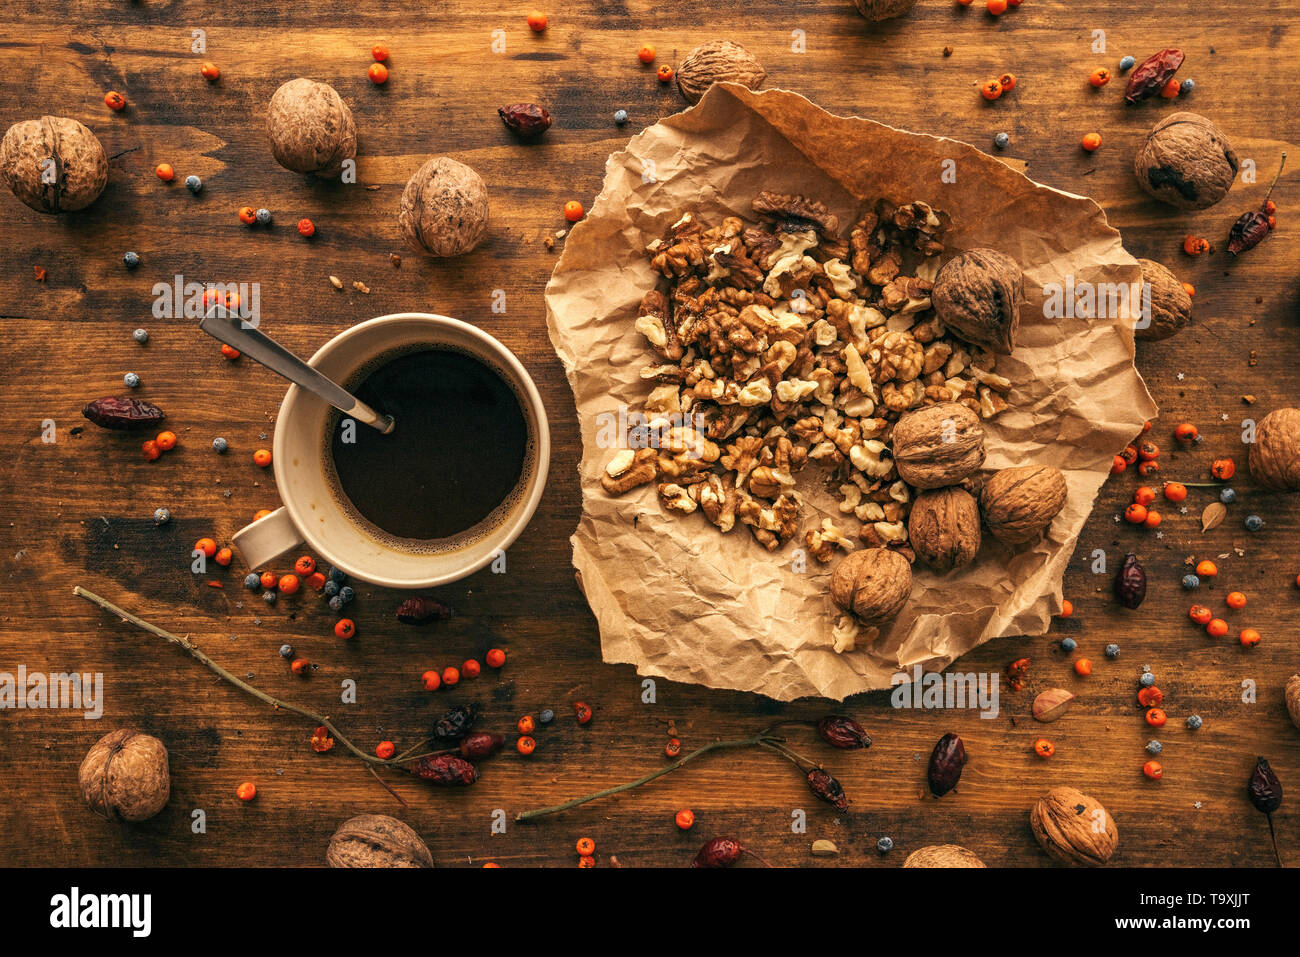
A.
pixel 230 352
pixel 1227 496
pixel 141 336
pixel 1187 86
pixel 193 184
pixel 1194 722
pixel 1153 770
pixel 263 217
pixel 224 557
pixel 1217 628
pixel 684 819
pixel 288 584
pixel 220 445
pixel 1200 614
pixel 1044 748
pixel 385 750
pixel 1083 667
pixel 1126 63
pixel 1091 142
pixel 1171 89
pixel 1135 514
pixel 131 380
pixel 161 516
pixel 1223 469
pixel 270 597
pixel 251 581
pixel 306 228
pixel 379 53
pixel 1150 697
pixel 885 844
pixel 1175 491
pixel 431 681
pixel 206 546
pixel 300 666
pixel 115 101
pixel 620 117
pixel 526 724
pixel 262 457
pixel 573 211
pixel 646 54
pixel 1145 495
pixel 130 260
pixel 664 73
pixel 378 74
pixel 246 791
pixel 673 749
pixel 1068 644
pixel 525 745
pixel 471 668
pixel 495 657
pixel 268 579
pixel 1002 141
pixel 209 72
pixel 1156 718
pixel 1154 746
pixel 1186 432
pixel 1207 569
pixel 1254 523
pixel 1249 637
pixel 151 451
pixel 1112 651
pixel 450 676
pixel 991 90
pixel 1235 599
pixel 1147 680
pixel 537 21
pixel 347 593
pixel 286 651
pixel 583 712
pixel 1190 582
pixel 247 215
pixel 336 604
pixel 547 716
pixel 1100 77
pixel 331 588
pixel 997 7
pixel 305 565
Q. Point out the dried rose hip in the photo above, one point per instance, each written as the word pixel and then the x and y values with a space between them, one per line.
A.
pixel 1152 74
pixel 1131 582
pixel 455 724
pixel 122 412
pixel 946 763
pixel 828 789
pixel 419 611
pixel 841 732
pixel 526 119
pixel 445 770
pixel 481 744
pixel 719 852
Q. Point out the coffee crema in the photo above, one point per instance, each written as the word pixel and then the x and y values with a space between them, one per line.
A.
pixel 457 456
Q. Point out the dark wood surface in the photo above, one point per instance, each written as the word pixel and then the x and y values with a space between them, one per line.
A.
pixel 80 511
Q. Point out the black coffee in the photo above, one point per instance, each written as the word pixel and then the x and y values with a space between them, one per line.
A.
pixel 457 452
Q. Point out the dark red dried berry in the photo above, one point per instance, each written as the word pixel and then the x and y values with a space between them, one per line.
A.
pixel 1131 582
pixel 122 412
pixel 445 770
pixel 1265 789
pixel 841 732
pixel 1151 75
pixel 420 611
pixel 719 852
pixel 828 789
pixel 481 744
pixel 526 119
pixel 946 763
pixel 1247 231
pixel 455 724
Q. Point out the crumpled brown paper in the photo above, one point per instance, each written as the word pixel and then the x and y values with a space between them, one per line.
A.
pixel 677 599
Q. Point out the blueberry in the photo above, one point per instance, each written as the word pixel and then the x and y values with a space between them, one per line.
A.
pixel 1112 650
pixel 269 597
pixel 1191 581
pixel 1254 523
pixel 131 380
pixel 347 594
pixel 252 580
pixel 1193 722
pixel 219 445
pixel 1127 63
pixel 1147 680
pixel 620 117
pixel 193 183
pixel 331 589
pixel 337 576
pixel 161 516
pixel 1002 141
pixel 336 603
pixel 885 845
pixel 1068 644
pixel 1187 86
pixel 547 716
pixel 264 217
pixel 1154 746
pixel 131 260
pixel 1228 496
pixel 141 336
pixel 286 651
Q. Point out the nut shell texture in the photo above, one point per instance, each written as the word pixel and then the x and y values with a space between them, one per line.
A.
pixel 938 445
pixel 444 209
pixel 1275 454
pixel 311 128
pixel 1020 503
pixel 942 855
pixel 77 175
pixel 1171 307
pixel 376 840
pixel 977 294
pixel 873 584
pixel 1073 828
pixel 718 61
pixel 1186 161
pixel 876 10
pixel 124 776
pixel 944 528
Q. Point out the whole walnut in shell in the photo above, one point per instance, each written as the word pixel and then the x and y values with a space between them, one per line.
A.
pixel 873 584
pixel 1073 828
pixel 938 445
pixel 977 295
pixel 311 128
pixel 1171 307
pixel 1186 161
pixel 376 840
pixel 54 164
pixel 876 10
pixel 1020 503
pixel 1275 454
pixel 718 61
pixel 1293 699
pixel 944 528
pixel 942 855
pixel 124 776
pixel 444 209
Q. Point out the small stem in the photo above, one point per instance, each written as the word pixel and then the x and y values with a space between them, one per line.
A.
pixel 1278 176
pixel 1273 834
pixel 384 784
pixel 680 762
pixel 792 756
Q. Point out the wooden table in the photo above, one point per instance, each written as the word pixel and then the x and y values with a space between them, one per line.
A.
pixel 79 511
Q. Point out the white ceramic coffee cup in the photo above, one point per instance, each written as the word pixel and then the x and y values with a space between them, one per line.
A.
pixel 314 511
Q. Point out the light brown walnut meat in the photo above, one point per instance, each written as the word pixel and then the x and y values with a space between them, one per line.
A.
pixel 311 128
pixel 1186 161
pixel 942 855
pixel 1275 454
pixel 1073 828
pixel 977 295
pixel 125 777
pixel 444 209
pixel 719 61
pixel 873 584
pixel 629 469
pixel 1171 307
pixel 796 213
pixel 1020 503
pixel 54 164
pixel 938 445
pixel 944 528
pixel 377 840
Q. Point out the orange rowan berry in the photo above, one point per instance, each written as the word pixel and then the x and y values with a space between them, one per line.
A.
pixel 664 73
pixel 385 750
pixel 1091 142
pixel 165 172
pixel 1148 451
pixel 230 352
pixel 1235 599
pixel 115 101
pixel 997 7
pixel 585 847
pixel 1118 465
pixel 1153 770
pixel 537 21
pixel 1067 608
pixel 583 712
pixel 525 745
pixel 1129 454
pixel 260 514
pixel 495 658
pixel 247 215
pixel 1150 697
pixel 1145 495
pixel 684 819
pixel 378 74
pixel 246 791
pixel 1249 637
pixel 305 565
pixel 1223 469
pixel 1175 491
pixel 673 749
pixel 431 681
pixel 262 457
pixel 586 861
pixel 1008 81
pixel 1189 289
pixel 209 71
pixel 1100 77
pixel 1195 245
pixel 345 628
pixel 573 210
pixel 300 666
pixel 991 90
pixel 224 557
pixel 1044 748
pixel 1200 614
pixel 1270 207
pixel 1153 519
pixel 288 584
pixel 526 724
pixel 1171 89
pixel 646 54
pixel 1217 628
pixel 1156 718
pixel 450 676
pixel 1083 667
pixel 1150 467
pixel 306 228
pixel 1207 569
pixel 379 53
pixel 470 668
pixel 207 546
pixel 1135 514
pixel 268 579
pixel 317 581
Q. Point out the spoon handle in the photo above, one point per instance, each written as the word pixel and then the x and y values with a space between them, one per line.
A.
pixel 263 349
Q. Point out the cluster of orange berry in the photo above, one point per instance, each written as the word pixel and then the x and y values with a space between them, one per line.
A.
pixel 154 448
pixel 1217 627
pixel 993 89
pixel 449 676
pixel 208 548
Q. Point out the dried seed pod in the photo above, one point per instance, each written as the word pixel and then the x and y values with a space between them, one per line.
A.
pixel 122 412
pixel 1275 454
pixel 938 445
pixel 444 209
pixel 719 61
pixel 376 840
pixel 977 295
pixel 946 763
pixel 942 855
pixel 828 789
pixel 481 744
pixel 873 584
pixel 54 164
pixel 842 732
pixel 124 776
pixel 525 119
pixel 455 723
pixel 445 770
pixel 311 128
pixel 877 10
pixel 1020 503
pixel 1131 583
pixel 1073 828
pixel 1293 699
pixel 1186 161
pixel 719 852
pixel 1171 307
pixel 421 611
pixel 944 528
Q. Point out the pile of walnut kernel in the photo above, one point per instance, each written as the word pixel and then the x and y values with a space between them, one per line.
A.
pixel 783 343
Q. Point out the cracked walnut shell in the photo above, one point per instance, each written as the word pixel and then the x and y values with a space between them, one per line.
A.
pixel 977 295
pixel 1275 454
pixel 1020 503
pixel 942 855
pixel 53 164
pixel 1073 828
pixel 124 776
pixel 1293 699
pixel 377 840
pixel 938 445
pixel 311 128
pixel 444 209
pixel 876 10
pixel 719 61
pixel 1171 307
pixel 944 528
pixel 873 584
pixel 1186 161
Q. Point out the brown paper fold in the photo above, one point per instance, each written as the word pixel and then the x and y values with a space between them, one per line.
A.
pixel 677 599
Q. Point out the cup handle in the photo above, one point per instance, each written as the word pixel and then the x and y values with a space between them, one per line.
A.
pixel 268 538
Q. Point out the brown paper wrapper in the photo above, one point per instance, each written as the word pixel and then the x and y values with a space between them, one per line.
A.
pixel 676 598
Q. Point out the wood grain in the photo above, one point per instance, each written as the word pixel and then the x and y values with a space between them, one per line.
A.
pixel 79 511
